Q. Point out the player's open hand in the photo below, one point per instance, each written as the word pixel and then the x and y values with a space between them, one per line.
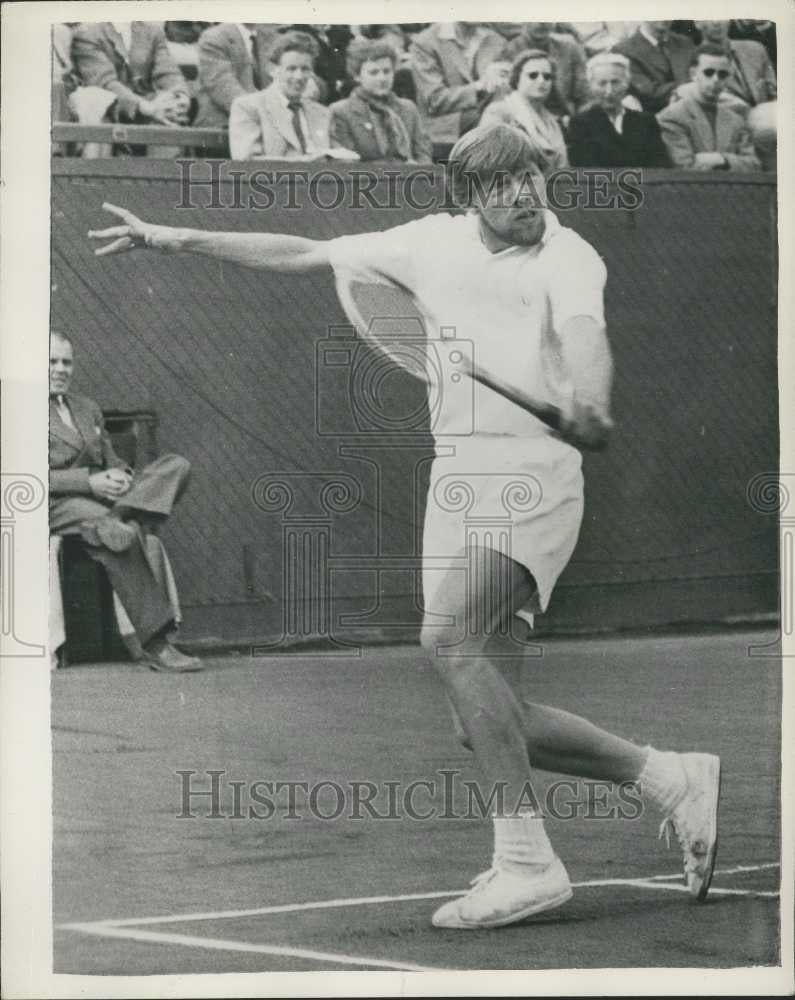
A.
pixel 132 234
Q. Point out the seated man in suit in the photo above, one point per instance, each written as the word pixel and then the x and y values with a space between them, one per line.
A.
pixel 373 121
pixel 458 66
pixel 700 133
pixel 280 122
pixel 94 494
pixel 127 74
pixel 659 61
pixel 607 134
pixel 233 60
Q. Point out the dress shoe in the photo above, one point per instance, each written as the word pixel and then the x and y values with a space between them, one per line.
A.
pixel 160 655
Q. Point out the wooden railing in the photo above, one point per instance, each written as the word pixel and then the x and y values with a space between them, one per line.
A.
pixel 145 135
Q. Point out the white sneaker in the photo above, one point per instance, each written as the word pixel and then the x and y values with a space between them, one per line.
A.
pixel 500 896
pixel 695 821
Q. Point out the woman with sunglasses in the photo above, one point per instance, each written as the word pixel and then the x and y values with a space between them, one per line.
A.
pixel 531 82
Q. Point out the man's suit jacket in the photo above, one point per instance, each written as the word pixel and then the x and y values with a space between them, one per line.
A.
pixel 75 454
pixel 447 84
pixel 570 89
pixel 753 79
pixel 654 72
pixel 261 126
pixel 226 70
pixel 686 130
pixel 353 127
pixel 594 142
pixel 101 59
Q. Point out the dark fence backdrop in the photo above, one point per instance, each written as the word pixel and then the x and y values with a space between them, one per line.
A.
pixel 233 363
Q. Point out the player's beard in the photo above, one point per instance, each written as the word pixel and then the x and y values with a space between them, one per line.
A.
pixel 525 230
pixel 521 230
pixel 530 229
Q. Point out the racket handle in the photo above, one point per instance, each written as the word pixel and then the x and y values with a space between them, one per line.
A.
pixel 545 412
pixel 548 414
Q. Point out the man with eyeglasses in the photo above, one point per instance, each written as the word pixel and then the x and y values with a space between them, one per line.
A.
pixel 699 132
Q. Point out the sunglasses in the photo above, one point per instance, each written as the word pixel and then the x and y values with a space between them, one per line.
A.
pixel 722 74
pixel 535 74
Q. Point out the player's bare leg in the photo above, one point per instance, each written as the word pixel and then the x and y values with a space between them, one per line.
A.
pixel 684 787
pixel 493 722
pixel 526 876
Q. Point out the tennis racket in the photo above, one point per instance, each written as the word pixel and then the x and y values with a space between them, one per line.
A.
pixel 388 316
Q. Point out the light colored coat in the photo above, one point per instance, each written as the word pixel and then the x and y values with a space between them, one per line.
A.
pixel 686 130
pixel 226 70
pixel 753 79
pixel 101 60
pixel 543 129
pixel 447 83
pixel 261 127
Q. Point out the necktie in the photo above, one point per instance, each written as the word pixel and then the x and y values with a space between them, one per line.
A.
pixel 295 107
pixel 256 75
pixel 663 46
pixel 64 412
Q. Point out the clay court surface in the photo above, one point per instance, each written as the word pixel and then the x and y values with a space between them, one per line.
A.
pixel 138 890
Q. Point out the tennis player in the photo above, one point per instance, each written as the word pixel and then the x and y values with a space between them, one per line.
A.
pixel 528 294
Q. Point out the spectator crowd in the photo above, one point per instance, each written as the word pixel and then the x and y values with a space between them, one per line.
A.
pixel 695 95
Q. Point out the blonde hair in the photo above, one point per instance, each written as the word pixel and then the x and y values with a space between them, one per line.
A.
pixel 486 155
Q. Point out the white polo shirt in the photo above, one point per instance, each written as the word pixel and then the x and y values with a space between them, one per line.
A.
pixel 510 307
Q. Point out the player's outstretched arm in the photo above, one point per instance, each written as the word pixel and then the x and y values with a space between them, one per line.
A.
pixel 265 251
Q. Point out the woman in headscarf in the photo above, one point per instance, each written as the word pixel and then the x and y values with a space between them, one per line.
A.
pixel 373 121
pixel 531 80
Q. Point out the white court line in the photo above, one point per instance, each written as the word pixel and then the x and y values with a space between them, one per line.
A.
pixel 221 944
pixel 324 904
pixel 679 887
pixel 737 870
pixel 127 929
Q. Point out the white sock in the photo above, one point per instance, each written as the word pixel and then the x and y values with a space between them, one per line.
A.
pixel 521 840
pixel 663 779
